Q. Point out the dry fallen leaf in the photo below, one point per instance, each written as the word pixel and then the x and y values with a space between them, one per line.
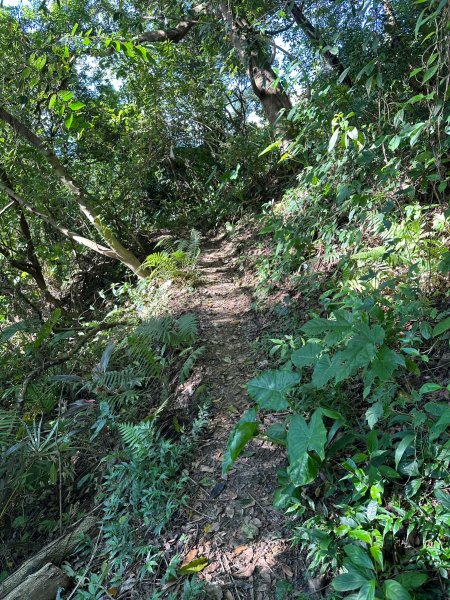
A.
pixel 246 572
pixel 239 550
pixel 287 571
pixel 190 556
pixel 206 469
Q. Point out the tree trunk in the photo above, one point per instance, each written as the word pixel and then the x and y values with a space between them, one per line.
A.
pixel 248 45
pixel 55 553
pixel 313 35
pixel 42 585
pixel 390 23
pixel 82 198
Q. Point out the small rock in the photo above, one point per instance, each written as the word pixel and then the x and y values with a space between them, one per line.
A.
pixel 249 530
pixel 246 572
pixel 213 591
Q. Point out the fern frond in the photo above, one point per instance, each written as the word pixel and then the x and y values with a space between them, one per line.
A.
pixel 28 325
pixel 189 363
pixel 187 327
pixel 9 423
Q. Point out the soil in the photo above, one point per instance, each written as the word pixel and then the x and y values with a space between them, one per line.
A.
pixel 231 522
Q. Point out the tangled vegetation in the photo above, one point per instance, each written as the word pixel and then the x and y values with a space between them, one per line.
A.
pixel 131 131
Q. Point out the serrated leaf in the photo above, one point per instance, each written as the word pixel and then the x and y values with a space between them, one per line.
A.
pixel 324 370
pixel 374 414
pixel 269 389
pixel 306 356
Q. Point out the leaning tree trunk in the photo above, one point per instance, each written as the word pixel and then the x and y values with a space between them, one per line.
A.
pixel 313 34
pixel 248 45
pixel 85 203
pixel 42 585
pixel 54 553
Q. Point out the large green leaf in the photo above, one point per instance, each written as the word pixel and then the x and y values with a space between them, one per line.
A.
pixel 441 425
pixel 367 591
pixel 394 590
pixel 269 389
pixel 401 448
pixel 245 430
pixel 412 580
pixel 358 556
pixel 306 356
pixel 304 470
pixel 324 370
pixel 303 437
pixel 443 498
pixel 353 580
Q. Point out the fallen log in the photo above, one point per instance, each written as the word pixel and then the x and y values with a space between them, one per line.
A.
pixel 42 585
pixel 54 553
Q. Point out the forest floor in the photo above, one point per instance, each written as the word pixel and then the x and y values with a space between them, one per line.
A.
pixel 232 522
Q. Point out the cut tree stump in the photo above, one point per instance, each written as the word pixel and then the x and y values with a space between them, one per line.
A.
pixel 53 553
pixel 42 585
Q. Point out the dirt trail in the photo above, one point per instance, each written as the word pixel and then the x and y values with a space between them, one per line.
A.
pixel 235 528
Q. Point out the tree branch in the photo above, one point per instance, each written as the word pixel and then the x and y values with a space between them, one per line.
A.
pixel 174 34
pixel 82 198
pixel 61 359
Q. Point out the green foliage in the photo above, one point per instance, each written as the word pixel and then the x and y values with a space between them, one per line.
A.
pixel 142 488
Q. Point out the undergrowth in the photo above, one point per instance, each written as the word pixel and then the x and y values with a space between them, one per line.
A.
pixel 359 249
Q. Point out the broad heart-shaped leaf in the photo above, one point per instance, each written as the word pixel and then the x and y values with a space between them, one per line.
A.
pixel 306 356
pixel 324 370
pixel 243 432
pixel 304 470
pixel 270 388
pixel 394 590
pixel 353 580
pixel 303 437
